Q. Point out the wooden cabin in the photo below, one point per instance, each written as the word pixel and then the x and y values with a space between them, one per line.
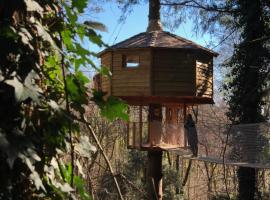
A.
pixel 161 75
pixel 159 67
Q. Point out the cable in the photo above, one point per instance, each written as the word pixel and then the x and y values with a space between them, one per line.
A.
pixel 224 39
pixel 124 18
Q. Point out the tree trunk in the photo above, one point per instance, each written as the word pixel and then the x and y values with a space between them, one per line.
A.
pixel 154 16
pixel 154 173
pixel 154 169
pixel 249 64
pixel 247 183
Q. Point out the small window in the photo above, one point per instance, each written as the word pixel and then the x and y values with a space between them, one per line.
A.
pixel 131 61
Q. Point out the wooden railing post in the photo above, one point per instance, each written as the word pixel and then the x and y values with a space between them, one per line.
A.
pixel 185 117
pixel 140 124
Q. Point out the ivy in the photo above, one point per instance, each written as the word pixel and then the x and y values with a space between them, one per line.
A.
pixel 42 88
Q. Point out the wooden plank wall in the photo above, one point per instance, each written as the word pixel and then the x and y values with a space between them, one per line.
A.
pixel 174 73
pixel 204 78
pixel 131 81
pixel 106 61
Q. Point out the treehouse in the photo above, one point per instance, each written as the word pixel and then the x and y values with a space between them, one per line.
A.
pixel 160 75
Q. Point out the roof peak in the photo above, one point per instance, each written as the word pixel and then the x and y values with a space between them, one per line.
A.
pixel 159 39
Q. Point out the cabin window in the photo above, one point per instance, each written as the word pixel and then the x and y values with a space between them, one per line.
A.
pixel 131 61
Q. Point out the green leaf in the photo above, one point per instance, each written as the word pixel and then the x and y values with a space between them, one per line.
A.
pixel 104 70
pixel 44 34
pixel 80 50
pixel 26 90
pixel 78 63
pixel 112 108
pixel 9 32
pixel 67 38
pixel 81 32
pixel 90 62
pixel 81 78
pixel 98 97
pixel 77 90
pixel 93 37
pixel 71 15
pixel 79 4
pixel 79 184
pixel 67 172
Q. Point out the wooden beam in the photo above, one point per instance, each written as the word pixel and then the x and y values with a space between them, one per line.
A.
pixel 140 124
pixel 134 134
pixel 166 100
pixel 185 117
pixel 154 169
pixel 128 129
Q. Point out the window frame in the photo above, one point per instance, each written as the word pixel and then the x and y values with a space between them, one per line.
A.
pixel 125 61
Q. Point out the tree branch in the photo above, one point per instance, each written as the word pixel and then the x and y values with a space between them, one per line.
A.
pixel 195 4
pixel 89 127
pixel 63 69
pixel 133 185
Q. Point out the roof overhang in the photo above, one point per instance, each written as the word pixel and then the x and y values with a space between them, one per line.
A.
pixel 158 40
pixel 212 53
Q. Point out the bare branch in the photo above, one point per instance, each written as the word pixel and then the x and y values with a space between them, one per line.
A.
pixel 133 185
pixel 195 4
pixel 91 130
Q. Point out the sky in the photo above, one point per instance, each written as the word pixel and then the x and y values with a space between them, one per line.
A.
pixel 136 22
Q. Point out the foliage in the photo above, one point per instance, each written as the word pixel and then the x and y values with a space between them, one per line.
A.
pixel 171 181
pixel 213 17
pixel 110 108
pixel 41 86
pixel 249 77
pixel 135 166
pixel 249 73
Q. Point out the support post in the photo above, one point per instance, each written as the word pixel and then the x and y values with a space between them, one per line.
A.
pixel 154 167
pixel 141 127
pixel 177 163
pixel 128 133
pixel 185 117
pixel 154 173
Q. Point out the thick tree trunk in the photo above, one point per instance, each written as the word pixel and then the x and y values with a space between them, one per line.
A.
pixel 251 56
pixel 247 183
pixel 154 23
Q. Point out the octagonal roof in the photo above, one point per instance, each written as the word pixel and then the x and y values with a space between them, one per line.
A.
pixel 158 39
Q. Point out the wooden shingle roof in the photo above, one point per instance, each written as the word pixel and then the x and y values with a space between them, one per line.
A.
pixel 158 39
